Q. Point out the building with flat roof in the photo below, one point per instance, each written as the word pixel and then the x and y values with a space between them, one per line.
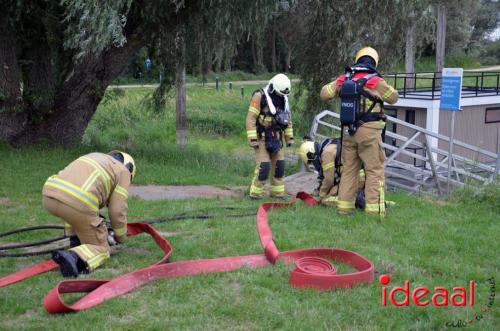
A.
pixel 477 124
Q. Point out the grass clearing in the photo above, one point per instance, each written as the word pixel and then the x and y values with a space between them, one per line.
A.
pixel 431 243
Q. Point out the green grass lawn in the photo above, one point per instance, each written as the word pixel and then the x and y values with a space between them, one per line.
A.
pixel 429 242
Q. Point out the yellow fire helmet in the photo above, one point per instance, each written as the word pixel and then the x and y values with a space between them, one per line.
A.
pixel 367 51
pixel 128 161
pixel 307 152
pixel 281 84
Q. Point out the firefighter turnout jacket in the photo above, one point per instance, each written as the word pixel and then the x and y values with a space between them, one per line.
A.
pixel 76 194
pixel 261 122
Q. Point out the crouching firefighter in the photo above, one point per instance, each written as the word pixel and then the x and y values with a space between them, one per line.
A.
pixel 76 194
pixel 268 123
pixel 325 159
pixel 362 92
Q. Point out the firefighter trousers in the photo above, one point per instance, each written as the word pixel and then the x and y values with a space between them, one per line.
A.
pixel 364 147
pixel 266 164
pixel 89 228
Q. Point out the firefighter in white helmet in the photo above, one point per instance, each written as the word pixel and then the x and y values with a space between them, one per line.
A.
pixel 268 125
pixel 76 194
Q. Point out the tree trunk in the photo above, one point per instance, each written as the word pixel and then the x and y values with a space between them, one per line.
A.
pixel 440 39
pixel 254 55
pixel 77 99
pixel 260 58
pixel 410 52
pixel 288 57
pixel 273 49
pixel 60 94
pixel 12 119
pixel 180 84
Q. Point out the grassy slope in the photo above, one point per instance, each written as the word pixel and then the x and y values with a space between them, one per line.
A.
pixel 431 243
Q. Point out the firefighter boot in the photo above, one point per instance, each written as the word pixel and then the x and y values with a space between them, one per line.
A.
pixel 70 263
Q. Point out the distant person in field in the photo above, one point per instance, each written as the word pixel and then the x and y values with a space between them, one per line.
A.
pixel 362 142
pixel 76 194
pixel 268 125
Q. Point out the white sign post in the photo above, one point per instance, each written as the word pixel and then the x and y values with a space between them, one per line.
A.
pixel 451 93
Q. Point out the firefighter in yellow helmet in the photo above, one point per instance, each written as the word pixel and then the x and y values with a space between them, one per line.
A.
pixel 362 141
pixel 268 124
pixel 76 194
pixel 325 159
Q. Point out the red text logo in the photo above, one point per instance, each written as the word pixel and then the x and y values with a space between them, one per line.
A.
pixel 422 296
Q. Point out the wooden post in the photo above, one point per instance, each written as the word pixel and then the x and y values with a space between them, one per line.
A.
pixel 180 85
pixel 450 151
pixel 441 38
pixel 242 93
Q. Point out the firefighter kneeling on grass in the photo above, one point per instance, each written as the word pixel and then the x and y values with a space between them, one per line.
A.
pixel 362 91
pixel 76 194
pixel 325 159
pixel 268 122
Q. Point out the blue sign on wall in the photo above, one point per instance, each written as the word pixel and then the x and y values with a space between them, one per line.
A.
pixel 451 89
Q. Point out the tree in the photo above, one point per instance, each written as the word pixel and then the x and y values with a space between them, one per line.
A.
pixel 441 36
pixel 58 57
pixel 332 33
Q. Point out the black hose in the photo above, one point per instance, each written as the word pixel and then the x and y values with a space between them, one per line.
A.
pixel 34 243
pixel 178 217
pixel 31 228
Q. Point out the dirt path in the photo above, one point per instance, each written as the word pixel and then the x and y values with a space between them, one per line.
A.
pixel 211 84
pixel 301 181
pixel 491 68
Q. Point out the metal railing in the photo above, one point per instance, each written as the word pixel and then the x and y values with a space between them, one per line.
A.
pixel 427 85
pixel 421 145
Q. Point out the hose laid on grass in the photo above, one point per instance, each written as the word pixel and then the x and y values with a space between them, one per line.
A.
pixel 313 267
pixel 40 243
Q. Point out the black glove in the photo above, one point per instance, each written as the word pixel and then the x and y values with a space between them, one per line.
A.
pixel 111 233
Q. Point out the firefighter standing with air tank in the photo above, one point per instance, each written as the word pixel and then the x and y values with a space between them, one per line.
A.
pixel 362 139
pixel 268 123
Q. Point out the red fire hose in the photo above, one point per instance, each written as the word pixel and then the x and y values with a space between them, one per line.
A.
pixel 313 267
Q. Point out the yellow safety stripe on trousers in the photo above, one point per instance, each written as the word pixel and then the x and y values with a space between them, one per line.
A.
pixel 289 131
pixel 122 191
pixel 67 225
pixel 83 251
pixel 381 197
pixel 121 231
pixel 105 176
pixel 329 90
pixel 256 190
pixel 328 165
pixel 331 199
pixel 342 204
pixel 388 93
pixel 252 134
pixel 254 110
pixel 88 183
pixel 277 188
pixel 372 207
pixel 361 173
pixel 97 260
pixel 88 198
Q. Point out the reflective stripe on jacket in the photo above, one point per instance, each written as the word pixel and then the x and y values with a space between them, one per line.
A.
pixel 91 182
